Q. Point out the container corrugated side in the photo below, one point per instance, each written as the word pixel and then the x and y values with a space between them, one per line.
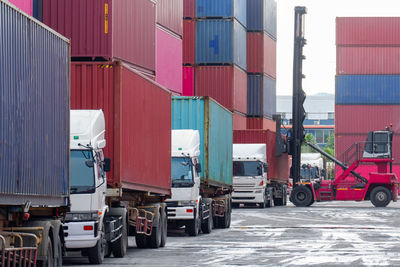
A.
pixel 214 124
pixel 367 89
pixel 106 29
pixel 189 30
pixel 367 60
pixel 220 41
pixel 269 97
pixel 239 121
pixel 226 84
pixel 37 9
pixel 255 52
pixel 169 60
pixel 270 18
pixel 367 31
pixel 278 167
pixel 138 124
pixel 255 95
pixel 222 9
pixel 188 81
pixel 360 119
pixel 255 15
pixel 261 124
pixel 169 15
pixel 24 5
pixel 269 66
pixel 189 9
pixel 34 111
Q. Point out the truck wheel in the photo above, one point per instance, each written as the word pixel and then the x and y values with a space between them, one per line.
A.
pixel 263 204
pixel 49 262
pixel 154 240
pixel 164 222
pixel 225 222
pixel 59 258
pixel 380 196
pixel 301 196
pixel 192 227
pixel 207 225
pixel 284 196
pixel 120 246
pixel 96 254
pixel 141 240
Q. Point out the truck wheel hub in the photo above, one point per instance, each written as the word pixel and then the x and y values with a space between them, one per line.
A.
pixel 381 196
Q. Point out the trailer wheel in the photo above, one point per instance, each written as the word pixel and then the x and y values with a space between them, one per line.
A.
pixel 97 253
pixel 225 222
pixel 380 196
pixel 164 222
pixel 49 262
pixel 154 240
pixel 141 240
pixel 301 196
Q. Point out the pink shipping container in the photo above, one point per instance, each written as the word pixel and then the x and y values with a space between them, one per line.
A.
pixel 239 121
pixel 169 60
pixel 368 31
pixel 360 119
pixel 189 8
pixel 106 29
pixel 188 81
pixel 261 123
pixel 138 123
pixel 226 84
pixel 261 54
pixel 367 60
pixel 169 15
pixel 189 30
pixel 24 5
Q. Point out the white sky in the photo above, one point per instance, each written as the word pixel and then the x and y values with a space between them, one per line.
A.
pixel 320 64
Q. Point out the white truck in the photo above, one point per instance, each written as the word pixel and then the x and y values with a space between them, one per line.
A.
pixel 312 166
pixel 250 170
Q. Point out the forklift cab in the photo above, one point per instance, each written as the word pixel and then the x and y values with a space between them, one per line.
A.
pixel 379 144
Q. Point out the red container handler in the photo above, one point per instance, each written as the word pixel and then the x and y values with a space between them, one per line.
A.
pixel 169 15
pixel 261 124
pixel 367 31
pixel 261 54
pixel 106 29
pixel 226 84
pixel 278 167
pixel 138 123
pixel 189 29
pixel 239 121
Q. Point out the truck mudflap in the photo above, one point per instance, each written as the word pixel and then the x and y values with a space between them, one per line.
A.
pixel 142 218
pixel 219 208
pixel 13 252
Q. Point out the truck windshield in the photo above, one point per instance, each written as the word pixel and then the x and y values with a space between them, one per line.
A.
pixel 247 168
pixel 181 172
pixel 82 172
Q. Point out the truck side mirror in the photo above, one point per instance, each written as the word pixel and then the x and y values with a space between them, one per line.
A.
pixel 198 167
pixel 265 165
pixel 107 164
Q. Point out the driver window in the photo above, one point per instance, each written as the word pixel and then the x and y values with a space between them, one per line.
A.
pixel 99 164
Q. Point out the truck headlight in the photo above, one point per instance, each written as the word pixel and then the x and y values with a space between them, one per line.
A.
pixel 187 203
pixel 82 216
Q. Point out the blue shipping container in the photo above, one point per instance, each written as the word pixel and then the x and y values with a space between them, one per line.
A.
pixel 368 89
pixel 214 124
pixel 255 15
pixel 34 112
pixel 261 96
pixel 269 97
pixel 221 41
pixel 222 9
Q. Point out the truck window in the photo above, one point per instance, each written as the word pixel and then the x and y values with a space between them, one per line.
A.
pixel 181 170
pixel 247 168
pixel 81 175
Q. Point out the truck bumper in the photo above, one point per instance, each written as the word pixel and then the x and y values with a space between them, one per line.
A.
pixel 250 195
pixel 76 237
pixel 180 212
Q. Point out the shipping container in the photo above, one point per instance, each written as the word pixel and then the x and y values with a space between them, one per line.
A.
pixel 239 121
pixel 367 60
pixel 226 84
pixel 222 9
pixel 261 124
pixel 188 81
pixel 169 15
pixel 169 60
pixel 34 111
pixel 138 123
pixel 189 42
pixel 37 9
pixel 24 5
pixel 367 31
pixel 261 54
pixel 189 9
pixel 214 124
pixel 270 18
pixel 106 29
pixel 261 96
pixel 262 16
pixel 360 119
pixel 367 89
pixel 220 41
pixel 278 167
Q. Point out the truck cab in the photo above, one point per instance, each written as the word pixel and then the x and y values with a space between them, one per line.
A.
pixel 312 166
pixel 250 175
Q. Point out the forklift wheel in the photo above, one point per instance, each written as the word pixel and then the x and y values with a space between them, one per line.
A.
pixel 301 196
pixel 380 196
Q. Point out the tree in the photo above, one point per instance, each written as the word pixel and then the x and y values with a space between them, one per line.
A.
pixel 330 145
pixel 310 139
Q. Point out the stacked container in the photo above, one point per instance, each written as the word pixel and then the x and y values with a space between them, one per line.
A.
pixel 367 81
pixel 261 63
pixel 214 53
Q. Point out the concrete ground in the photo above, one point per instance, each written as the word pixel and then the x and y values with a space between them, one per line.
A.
pixel 325 234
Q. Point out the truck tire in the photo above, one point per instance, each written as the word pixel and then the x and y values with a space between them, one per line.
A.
pixel 141 240
pixel 207 225
pixel 192 227
pixel 154 240
pixel 120 246
pixel 301 196
pixel 265 203
pixel 280 201
pixel 96 254
pixel 380 196
pixel 225 222
pixel 49 262
pixel 284 196
pixel 164 223
pixel 59 258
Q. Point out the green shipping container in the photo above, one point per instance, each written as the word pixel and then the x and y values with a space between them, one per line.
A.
pixel 214 124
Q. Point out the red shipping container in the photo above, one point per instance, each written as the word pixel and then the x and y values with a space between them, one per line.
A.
pixel 169 15
pixel 261 54
pixel 188 81
pixel 24 5
pixel 261 124
pixel 368 31
pixel 169 61
pixel 138 123
pixel 226 84
pixel 106 29
pixel 367 60
pixel 360 119
pixel 189 8
pixel 239 121
pixel 278 167
pixel 189 30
